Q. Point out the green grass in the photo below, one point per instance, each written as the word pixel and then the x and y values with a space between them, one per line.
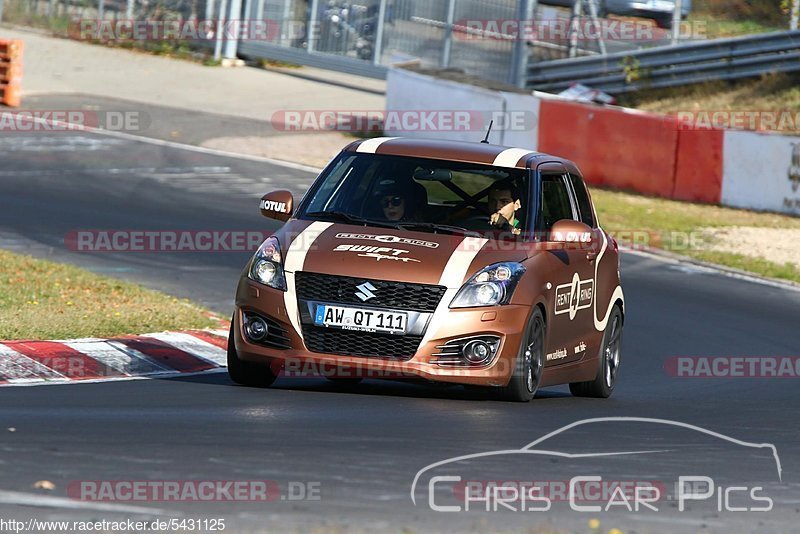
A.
pixel 754 265
pixel 45 300
pixel 678 227
pixel 718 27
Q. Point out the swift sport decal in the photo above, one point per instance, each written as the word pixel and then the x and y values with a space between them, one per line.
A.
pixel 575 296
pixel 378 253
pixel 379 257
pixel 389 239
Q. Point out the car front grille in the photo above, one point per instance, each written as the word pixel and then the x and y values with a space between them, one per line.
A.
pixel 350 343
pixel 388 293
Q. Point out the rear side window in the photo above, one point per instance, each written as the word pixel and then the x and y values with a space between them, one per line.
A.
pixel 582 198
pixel 555 201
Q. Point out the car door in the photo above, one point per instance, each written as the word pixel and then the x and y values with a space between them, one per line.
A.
pixel 572 284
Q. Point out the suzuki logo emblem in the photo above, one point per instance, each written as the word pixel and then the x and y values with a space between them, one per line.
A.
pixel 794 170
pixel 365 291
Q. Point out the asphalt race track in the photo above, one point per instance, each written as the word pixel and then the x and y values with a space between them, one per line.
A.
pixel 360 448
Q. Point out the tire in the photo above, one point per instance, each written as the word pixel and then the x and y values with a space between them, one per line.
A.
pixel 529 364
pixel 608 363
pixel 246 373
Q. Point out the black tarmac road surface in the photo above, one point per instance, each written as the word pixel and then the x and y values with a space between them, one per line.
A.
pixel 345 457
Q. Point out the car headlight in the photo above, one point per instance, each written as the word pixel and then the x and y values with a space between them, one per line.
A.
pixel 491 286
pixel 266 266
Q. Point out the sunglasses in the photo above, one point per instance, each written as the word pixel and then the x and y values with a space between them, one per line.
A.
pixel 394 201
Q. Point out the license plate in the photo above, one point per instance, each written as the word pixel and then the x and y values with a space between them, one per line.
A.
pixel 361 319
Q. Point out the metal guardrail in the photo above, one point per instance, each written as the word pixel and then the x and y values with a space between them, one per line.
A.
pixel 671 66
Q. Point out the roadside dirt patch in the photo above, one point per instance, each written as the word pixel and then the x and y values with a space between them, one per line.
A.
pixel 778 245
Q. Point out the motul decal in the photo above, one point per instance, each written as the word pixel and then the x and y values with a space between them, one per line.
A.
pixel 578 295
pixel 573 237
pixel 271 205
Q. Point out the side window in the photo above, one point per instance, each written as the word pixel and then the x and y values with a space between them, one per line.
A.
pixel 582 197
pixel 555 201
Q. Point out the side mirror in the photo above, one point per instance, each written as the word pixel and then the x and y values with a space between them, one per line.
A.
pixel 571 232
pixel 277 205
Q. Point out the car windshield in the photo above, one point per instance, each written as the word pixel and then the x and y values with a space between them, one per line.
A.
pixel 419 194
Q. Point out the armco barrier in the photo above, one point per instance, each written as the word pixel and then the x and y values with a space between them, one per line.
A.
pixel 10 72
pixel 614 147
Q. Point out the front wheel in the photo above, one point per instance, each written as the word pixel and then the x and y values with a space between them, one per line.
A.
pixel 530 363
pixel 608 363
pixel 246 373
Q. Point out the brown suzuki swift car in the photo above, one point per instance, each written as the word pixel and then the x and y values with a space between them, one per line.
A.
pixel 466 263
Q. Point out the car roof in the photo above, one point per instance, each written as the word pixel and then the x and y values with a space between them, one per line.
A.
pixel 461 151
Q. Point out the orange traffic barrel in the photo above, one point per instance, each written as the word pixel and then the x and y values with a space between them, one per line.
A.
pixel 10 71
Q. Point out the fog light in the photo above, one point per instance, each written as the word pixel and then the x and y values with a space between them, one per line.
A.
pixel 477 351
pixel 256 329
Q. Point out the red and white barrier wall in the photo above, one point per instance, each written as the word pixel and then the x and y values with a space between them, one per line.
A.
pixel 623 148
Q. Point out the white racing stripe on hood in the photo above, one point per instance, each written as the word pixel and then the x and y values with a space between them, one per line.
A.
pixel 371 145
pixel 510 157
pixel 452 278
pixel 294 260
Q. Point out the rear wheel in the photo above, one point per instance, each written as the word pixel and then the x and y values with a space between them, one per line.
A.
pixel 530 363
pixel 246 373
pixel 608 363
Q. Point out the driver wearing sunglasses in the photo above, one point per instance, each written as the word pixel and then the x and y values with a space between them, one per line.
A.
pixel 394 206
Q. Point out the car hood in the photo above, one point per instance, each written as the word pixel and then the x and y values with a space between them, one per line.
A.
pixel 389 254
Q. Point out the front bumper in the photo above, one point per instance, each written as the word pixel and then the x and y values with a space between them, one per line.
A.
pixel 506 322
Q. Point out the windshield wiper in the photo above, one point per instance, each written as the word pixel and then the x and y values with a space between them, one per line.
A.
pixel 437 228
pixel 342 216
